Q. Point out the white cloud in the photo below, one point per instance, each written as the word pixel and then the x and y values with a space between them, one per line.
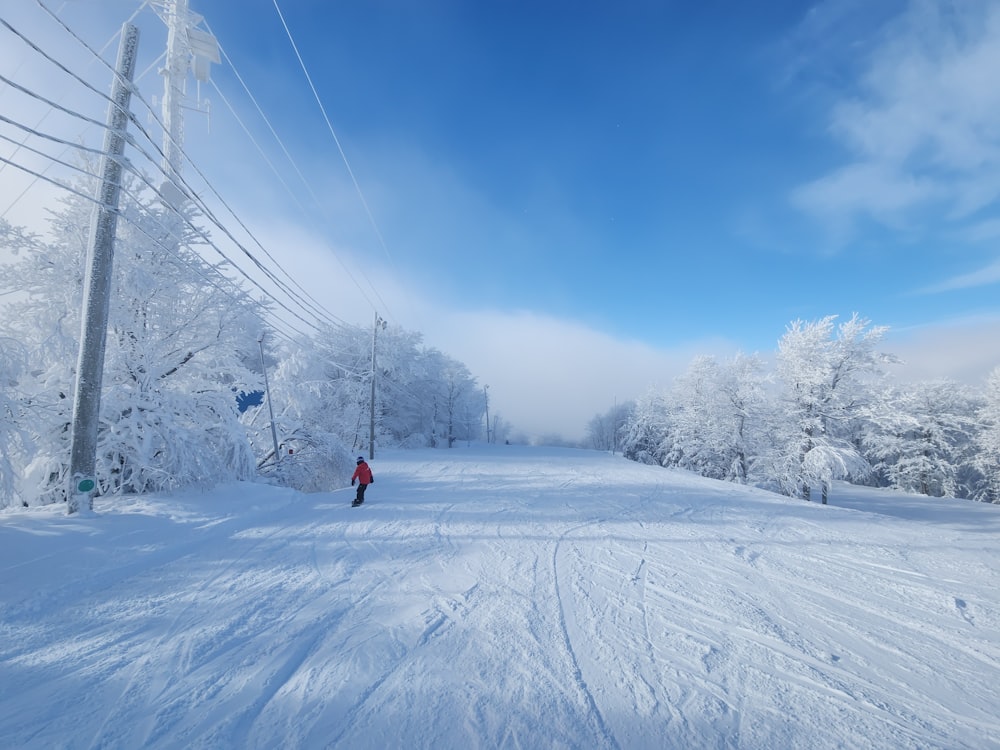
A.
pixel 878 190
pixel 552 376
pixel 962 350
pixel 921 123
pixel 989 274
pixel 546 375
pixel 984 231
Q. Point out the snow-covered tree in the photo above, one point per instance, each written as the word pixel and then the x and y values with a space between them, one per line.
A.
pixel 426 397
pixel 920 437
pixel 499 431
pixel 176 349
pixel 604 430
pixel 827 381
pixel 718 417
pixel 321 391
pixel 318 390
pixel 413 377
pixel 743 423
pixel 181 337
pixel 828 415
pixel 463 403
pixel 15 442
pixel 42 285
pixel 644 436
pixel 696 420
pixel 987 459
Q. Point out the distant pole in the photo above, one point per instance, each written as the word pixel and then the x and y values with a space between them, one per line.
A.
pixel 486 395
pixel 614 428
pixel 371 428
pixel 267 393
pixel 97 284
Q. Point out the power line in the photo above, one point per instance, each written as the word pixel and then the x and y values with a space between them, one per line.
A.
pixel 281 286
pixel 340 149
pixel 135 199
pixel 55 62
pixel 45 136
pixel 287 155
pixel 48 112
pixel 49 102
pixel 190 192
pixel 156 241
pixel 295 166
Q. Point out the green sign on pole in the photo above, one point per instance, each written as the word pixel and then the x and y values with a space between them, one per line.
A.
pixel 85 485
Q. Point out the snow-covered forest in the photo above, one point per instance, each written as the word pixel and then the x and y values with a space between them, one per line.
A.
pixel 189 349
pixel 827 410
pixel 209 377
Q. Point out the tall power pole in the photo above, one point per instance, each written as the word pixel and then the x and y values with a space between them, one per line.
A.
pixel 371 431
pixel 188 49
pixel 174 77
pixel 486 399
pixel 97 284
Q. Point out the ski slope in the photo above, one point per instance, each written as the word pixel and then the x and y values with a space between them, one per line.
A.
pixel 502 597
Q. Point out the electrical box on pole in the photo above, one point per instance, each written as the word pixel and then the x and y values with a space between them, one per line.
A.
pixel 97 284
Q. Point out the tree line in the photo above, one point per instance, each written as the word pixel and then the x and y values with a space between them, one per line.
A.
pixel 185 367
pixel 182 366
pixel 826 410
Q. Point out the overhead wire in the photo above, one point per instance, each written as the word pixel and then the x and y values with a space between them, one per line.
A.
pixel 281 145
pixel 188 190
pixel 48 112
pixel 87 197
pixel 223 284
pixel 39 152
pixel 123 216
pixel 340 149
pixel 191 194
pixel 277 174
pixel 132 142
pixel 172 247
pixel 270 164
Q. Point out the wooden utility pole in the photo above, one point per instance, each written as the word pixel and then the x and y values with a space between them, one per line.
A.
pixel 97 284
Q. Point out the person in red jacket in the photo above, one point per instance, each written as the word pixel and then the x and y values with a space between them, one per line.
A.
pixel 363 476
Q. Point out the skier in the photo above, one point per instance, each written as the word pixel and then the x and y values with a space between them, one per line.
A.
pixel 363 476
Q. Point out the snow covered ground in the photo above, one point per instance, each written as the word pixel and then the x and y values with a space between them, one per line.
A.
pixel 502 597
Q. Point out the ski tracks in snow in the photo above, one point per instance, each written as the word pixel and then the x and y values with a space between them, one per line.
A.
pixel 240 635
pixel 602 570
pixel 676 628
pixel 511 599
pixel 569 633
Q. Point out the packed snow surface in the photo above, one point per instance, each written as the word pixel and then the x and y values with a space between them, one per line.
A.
pixel 502 597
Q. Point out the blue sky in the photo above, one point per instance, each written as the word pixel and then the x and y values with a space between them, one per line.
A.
pixel 576 198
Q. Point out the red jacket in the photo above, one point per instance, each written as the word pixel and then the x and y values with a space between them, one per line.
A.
pixel 363 474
